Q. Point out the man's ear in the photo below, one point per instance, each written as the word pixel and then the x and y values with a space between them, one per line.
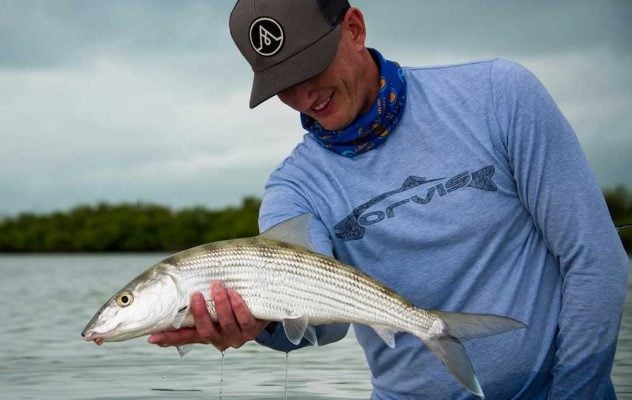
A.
pixel 354 24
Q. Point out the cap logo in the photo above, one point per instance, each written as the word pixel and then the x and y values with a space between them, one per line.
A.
pixel 266 36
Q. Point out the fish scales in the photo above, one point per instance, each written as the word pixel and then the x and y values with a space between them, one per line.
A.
pixel 268 274
pixel 281 279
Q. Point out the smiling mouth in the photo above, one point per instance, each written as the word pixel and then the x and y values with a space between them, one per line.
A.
pixel 320 107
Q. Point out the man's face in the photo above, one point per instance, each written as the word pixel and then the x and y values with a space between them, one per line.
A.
pixel 339 94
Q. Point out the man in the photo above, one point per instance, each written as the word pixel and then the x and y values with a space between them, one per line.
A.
pixel 462 188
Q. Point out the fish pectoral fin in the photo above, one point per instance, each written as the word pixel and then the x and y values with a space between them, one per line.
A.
pixel 310 335
pixel 386 333
pixel 180 317
pixel 292 231
pixel 295 328
pixel 184 349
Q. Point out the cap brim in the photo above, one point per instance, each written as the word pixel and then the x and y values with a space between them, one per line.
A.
pixel 305 64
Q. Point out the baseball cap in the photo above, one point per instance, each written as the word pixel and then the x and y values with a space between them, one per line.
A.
pixel 285 41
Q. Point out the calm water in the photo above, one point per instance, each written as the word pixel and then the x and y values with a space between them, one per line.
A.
pixel 46 300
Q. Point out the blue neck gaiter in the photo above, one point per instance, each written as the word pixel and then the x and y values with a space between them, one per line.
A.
pixel 371 129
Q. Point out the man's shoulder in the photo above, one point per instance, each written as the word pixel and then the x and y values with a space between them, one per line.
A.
pixel 308 152
pixel 483 68
pixel 471 78
pixel 465 65
pixel 451 66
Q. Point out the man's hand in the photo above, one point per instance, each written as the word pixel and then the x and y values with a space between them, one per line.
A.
pixel 235 323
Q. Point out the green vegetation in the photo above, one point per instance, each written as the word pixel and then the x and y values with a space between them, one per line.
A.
pixel 620 205
pixel 148 227
pixel 126 228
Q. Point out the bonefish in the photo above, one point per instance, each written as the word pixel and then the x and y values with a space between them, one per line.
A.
pixel 282 279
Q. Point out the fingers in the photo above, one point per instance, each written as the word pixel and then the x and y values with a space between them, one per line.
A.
pixel 235 323
pixel 206 329
pixel 175 338
pixel 250 326
pixel 225 315
pixel 234 317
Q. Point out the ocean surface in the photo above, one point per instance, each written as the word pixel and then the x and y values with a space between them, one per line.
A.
pixel 47 300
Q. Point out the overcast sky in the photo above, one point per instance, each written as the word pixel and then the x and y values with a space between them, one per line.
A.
pixel 148 100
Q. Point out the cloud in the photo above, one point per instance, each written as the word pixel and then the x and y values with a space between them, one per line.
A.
pixel 580 50
pixel 119 131
pixel 44 34
pixel 494 27
pixel 136 100
pixel 594 90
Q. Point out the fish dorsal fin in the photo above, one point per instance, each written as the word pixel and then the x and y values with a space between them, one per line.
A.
pixel 293 231
pixel 295 328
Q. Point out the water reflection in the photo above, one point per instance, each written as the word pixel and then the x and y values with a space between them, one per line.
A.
pixel 48 299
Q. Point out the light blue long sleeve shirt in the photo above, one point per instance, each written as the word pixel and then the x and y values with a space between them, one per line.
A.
pixel 480 201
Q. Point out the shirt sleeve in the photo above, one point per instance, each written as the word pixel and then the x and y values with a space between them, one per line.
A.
pixel 557 187
pixel 282 200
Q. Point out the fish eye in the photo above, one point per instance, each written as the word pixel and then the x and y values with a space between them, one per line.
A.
pixel 124 299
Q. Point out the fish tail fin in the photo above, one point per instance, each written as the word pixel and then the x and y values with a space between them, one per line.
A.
pixel 452 354
pixel 445 336
pixel 469 326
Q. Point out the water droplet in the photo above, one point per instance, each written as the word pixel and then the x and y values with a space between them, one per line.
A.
pixel 221 378
pixel 287 362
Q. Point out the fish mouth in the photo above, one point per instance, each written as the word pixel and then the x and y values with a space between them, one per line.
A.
pixel 113 335
pixel 93 337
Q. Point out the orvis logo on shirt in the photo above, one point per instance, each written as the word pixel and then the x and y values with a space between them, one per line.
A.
pixel 354 225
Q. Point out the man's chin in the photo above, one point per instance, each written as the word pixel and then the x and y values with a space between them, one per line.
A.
pixel 331 125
